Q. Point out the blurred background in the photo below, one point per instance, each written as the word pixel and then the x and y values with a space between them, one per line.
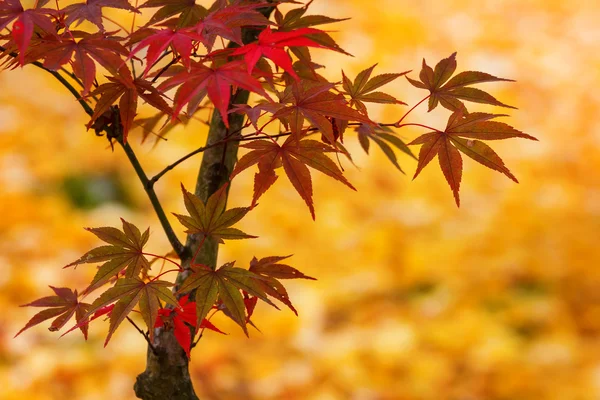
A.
pixel 415 299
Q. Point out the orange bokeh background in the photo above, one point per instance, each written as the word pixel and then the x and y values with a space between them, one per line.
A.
pixel 415 299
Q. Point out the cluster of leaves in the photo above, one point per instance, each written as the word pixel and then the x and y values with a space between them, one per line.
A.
pixel 298 120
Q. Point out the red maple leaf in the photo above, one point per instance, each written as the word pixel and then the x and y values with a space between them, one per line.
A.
pixel 461 133
pixel 271 45
pixel 91 11
pixel 294 155
pixel 128 90
pixel 183 320
pixel 201 80
pixel 26 21
pixel 271 271
pixel 159 39
pixel 80 54
pixel 227 22
pixel 62 306
pixel 315 102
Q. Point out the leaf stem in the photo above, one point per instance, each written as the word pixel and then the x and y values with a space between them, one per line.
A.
pixel 228 138
pixel 409 111
pixel 162 258
pixel 165 272
pixel 420 125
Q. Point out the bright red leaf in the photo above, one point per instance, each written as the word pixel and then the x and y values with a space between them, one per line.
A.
pixel 80 54
pixel 227 22
pixel 184 321
pixel 216 82
pixel 271 45
pixel 25 22
pixel 160 39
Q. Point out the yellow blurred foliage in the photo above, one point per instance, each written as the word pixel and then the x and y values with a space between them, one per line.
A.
pixel 415 299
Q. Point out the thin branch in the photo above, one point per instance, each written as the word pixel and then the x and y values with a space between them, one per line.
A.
pixel 229 138
pixel 144 334
pixel 164 69
pixel 169 167
pixel 175 243
pixel 62 80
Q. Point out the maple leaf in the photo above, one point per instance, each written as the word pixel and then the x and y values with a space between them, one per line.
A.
pixel 449 93
pixel 211 219
pixel 315 102
pixel 460 135
pixel 271 270
pixel 91 11
pixel 106 310
pixel 81 54
pixel 179 317
pixel 226 284
pixel 126 294
pixel 189 12
pixel 227 22
pixel 384 137
pixel 62 306
pixel 271 45
pixel 158 40
pixel 125 252
pixel 295 19
pixel 25 22
pixel 128 90
pixel 201 80
pixel 294 155
pixel 362 89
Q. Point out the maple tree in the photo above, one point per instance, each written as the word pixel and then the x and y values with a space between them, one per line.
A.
pixel 213 58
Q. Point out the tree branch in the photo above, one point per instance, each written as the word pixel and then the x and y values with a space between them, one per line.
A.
pixel 175 243
pixel 166 225
pixel 61 79
pixel 144 334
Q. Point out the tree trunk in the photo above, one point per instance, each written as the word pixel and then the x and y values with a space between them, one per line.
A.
pixel 167 374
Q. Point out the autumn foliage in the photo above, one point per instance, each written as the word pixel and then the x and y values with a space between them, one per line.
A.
pixel 188 58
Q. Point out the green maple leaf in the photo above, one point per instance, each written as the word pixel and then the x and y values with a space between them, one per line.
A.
pixel 124 252
pixel 211 219
pixel 363 88
pixel 127 293
pixel 385 138
pixel 225 284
